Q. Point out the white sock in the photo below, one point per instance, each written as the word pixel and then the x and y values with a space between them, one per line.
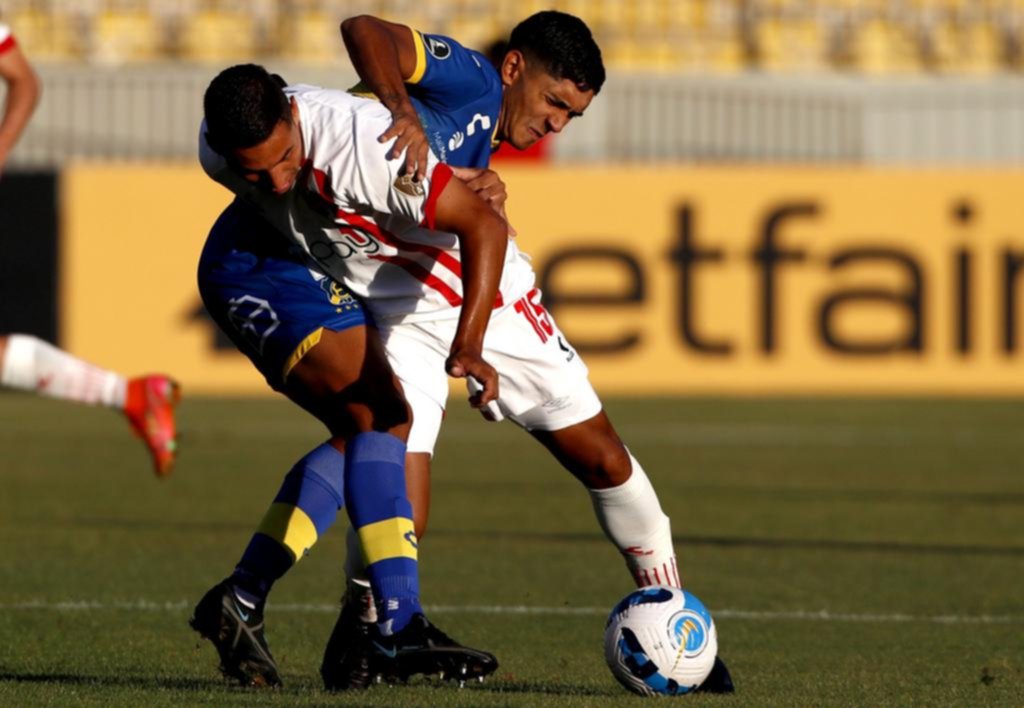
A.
pixel 358 583
pixel 30 364
pixel 633 520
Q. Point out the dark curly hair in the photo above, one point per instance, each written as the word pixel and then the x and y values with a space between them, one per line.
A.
pixel 563 45
pixel 243 105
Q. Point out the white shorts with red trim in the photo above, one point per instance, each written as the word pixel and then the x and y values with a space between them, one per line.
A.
pixel 543 383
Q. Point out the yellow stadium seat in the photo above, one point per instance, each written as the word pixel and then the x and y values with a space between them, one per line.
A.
pixel 119 37
pixel 475 31
pixel 47 35
pixel 946 50
pixel 219 36
pixel 725 53
pixel 983 49
pixel 684 15
pixel 310 37
pixel 881 48
pixel 791 46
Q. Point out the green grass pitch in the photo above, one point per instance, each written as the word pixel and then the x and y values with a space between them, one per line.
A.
pixel 854 553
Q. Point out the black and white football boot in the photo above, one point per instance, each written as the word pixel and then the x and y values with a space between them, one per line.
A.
pixel 718 681
pixel 420 648
pixel 236 630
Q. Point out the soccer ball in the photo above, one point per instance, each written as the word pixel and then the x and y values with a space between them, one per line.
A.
pixel 660 640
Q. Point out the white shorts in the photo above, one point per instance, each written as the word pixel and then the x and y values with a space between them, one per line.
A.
pixel 542 381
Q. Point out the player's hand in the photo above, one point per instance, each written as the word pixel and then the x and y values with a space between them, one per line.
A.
pixel 467 362
pixel 407 132
pixel 489 187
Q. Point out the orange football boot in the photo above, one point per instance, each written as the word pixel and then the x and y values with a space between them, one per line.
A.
pixel 149 407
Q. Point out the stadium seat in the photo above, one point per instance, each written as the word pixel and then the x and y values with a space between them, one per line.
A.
pixel 882 48
pixel 219 36
pixel 55 36
pixel 119 37
pixel 310 37
pixel 983 49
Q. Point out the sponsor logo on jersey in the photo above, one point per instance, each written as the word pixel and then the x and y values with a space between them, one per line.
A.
pixel 254 319
pixel 557 404
pixel 410 536
pixel 438 48
pixel 456 141
pixel 407 185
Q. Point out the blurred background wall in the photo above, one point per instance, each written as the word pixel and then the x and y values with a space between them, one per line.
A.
pixel 767 196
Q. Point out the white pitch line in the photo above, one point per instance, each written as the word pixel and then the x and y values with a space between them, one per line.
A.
pixel 762 615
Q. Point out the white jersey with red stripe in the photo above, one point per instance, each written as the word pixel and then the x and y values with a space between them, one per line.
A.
pixel 6 38
pixel 361 220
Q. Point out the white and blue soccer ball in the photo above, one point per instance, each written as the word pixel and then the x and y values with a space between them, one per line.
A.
pixel 660 640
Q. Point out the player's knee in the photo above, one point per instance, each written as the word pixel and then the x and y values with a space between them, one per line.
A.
pixel 609 466
pixel 392 413
pixel 384 411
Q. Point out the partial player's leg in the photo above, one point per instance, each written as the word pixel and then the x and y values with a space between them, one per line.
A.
pixel 308 338
pixel 569 421
pixel 327 381
pixel 425 390
pixel 28 363
pixel 624 500
pixel 276 312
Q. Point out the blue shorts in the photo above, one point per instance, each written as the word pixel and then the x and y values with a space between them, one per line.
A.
pixel 260 292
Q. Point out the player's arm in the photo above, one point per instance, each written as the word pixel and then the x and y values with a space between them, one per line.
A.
pixel 384 55
pixel 483 239
pixel 489 186
pixel 22 96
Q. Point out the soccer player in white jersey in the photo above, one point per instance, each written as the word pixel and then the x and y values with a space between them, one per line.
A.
pixel 437 92
pixel 311 181
pixel 28 363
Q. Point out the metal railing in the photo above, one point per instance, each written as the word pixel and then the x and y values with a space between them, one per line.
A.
pixel 146 113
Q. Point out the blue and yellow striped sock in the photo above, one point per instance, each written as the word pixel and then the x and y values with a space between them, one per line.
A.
pixel 382 516
pixel 304 508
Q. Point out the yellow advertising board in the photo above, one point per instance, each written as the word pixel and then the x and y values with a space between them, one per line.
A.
pixel 668 281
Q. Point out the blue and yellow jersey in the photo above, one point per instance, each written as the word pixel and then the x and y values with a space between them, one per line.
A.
pixel 457 94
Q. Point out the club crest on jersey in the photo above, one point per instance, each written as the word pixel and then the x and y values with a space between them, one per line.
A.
pixel 407 185
pixel 335 293
pixel 438 48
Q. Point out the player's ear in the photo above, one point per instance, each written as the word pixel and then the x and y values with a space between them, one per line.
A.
pixel 512 67
pixel 295 109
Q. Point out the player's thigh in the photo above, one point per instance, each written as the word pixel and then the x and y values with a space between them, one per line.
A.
pixel 543 381
pixel 417 352
pixel 271 305
pixel 346 381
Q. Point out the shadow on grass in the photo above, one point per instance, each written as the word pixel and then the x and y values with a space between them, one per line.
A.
pixel 146 682
pixel 516 686
pixel 809 544
pixel 503 686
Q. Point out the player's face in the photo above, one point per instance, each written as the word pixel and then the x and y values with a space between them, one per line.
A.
pixel 536 103
pixel 274 164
